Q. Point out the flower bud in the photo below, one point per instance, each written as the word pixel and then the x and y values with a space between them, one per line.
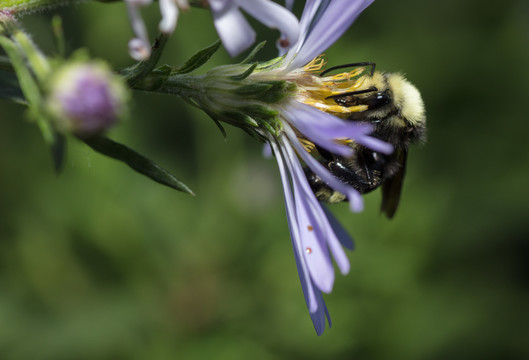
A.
pixel 86 98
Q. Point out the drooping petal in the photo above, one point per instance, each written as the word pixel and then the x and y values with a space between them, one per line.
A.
pixel 139 48
pixel 169 12
pixel 313 296
pixel 234 30
pixel 274 16
pixel 309 290
pixel 326 27
pixel 320 226
pixel 312 237
pixel 343 236
pixel 318 318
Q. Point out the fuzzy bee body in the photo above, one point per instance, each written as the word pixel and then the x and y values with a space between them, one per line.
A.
pixel 396 111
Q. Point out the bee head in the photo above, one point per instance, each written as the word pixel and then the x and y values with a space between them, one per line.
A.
pixel 394 107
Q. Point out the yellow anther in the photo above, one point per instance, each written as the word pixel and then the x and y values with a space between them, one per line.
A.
pixel 307 145
pixel 316 64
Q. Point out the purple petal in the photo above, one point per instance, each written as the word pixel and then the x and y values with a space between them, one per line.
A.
pixel 354 197
pixel 311 6
pixel 318 318
pixel 322 128
pixel 375 144
pixel 169 12
pixel 276 17
pixel 267 151
pixel 139 47
pixel 309 292
pixel 322 33
pixel 343 236
pixel 321 227
pixel 233 29
pixel 312 237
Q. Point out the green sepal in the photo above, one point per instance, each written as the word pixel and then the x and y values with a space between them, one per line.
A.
pixel 199 59
pixel 269 127
pixel 155 80
pixel 278 91
pixel 164 70
pixel 217 122
pixel 267 92
pixel 240 118
pixel 254 52
pixel 264 116
pixel 136 161
pixel 245 74
pixel 259 111
pixel 252 90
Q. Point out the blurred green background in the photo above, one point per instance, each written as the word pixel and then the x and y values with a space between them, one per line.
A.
pixel 101 263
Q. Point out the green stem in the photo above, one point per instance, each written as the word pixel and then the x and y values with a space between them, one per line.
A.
pixel 134 74
pixel 26 6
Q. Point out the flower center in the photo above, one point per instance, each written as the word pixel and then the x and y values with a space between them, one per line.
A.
pixel 319 91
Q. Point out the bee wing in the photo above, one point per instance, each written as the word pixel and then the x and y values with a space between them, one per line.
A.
pixel 391 188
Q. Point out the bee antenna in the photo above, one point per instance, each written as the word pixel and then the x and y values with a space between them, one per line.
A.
pixel 372 64
pixel 358 92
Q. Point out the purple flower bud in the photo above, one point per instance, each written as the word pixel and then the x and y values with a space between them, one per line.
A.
pixel 86 98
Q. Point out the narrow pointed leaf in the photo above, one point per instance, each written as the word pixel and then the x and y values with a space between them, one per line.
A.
pixel 199 59
pixel 254 52
pixel 137 162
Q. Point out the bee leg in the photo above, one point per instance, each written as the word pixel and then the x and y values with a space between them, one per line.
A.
pixel 322 191
pixel 362 178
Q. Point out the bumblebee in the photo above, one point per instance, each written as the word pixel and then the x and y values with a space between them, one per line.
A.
pixel 396 111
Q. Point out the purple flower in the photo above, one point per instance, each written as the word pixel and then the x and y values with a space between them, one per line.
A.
pixel 86 98
pixel 316 235
pixel 235 32
pixel 287 103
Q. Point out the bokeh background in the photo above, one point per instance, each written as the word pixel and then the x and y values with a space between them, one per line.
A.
pixel 101 263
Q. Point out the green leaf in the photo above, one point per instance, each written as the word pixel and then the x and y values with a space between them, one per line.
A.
pixel 254 52
pixel 29 87
pixel 25 79
pixel 199 59
pixel 136 161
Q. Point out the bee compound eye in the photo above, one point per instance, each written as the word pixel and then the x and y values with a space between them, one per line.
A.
pixel 378 100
